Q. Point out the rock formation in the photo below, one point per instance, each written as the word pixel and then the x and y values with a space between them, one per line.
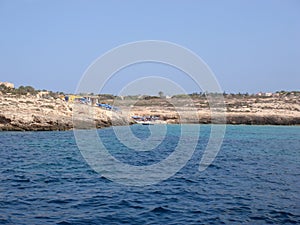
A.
pixel 44 113
pixel 31 113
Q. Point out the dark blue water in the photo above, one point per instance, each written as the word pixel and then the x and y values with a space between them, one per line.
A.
pixel 255 179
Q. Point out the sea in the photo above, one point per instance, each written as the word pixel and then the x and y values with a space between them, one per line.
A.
pixel 254 179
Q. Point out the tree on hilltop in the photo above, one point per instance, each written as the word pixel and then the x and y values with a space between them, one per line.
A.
pixel 161 94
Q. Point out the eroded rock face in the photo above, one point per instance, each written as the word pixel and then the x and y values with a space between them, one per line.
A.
pixel 252 110
pixel 29 113
pixel 4 120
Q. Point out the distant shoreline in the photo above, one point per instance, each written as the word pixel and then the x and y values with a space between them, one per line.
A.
pixel 44 112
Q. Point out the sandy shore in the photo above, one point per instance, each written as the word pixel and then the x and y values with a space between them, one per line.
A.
pixel 30 113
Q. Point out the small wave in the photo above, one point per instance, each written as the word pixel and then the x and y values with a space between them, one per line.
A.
pixel 51 180
pixel 5 221
pixel 160 209
pixel 60 201
pixel 26 180
pixel 20 179
pixel 188 180
pixel 63 223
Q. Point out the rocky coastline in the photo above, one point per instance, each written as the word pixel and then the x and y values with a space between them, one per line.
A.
pixel 276 109
pixel 36 113
pixel 32 113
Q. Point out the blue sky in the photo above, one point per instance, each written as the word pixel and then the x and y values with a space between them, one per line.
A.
pixel 250 46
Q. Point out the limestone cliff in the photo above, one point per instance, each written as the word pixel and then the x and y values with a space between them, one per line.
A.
pixel 36 113
pixel 30 113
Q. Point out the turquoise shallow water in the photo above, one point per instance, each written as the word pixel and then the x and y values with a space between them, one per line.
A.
pixel 255 179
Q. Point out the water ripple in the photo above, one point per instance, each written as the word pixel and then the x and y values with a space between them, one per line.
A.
pixel 253 180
